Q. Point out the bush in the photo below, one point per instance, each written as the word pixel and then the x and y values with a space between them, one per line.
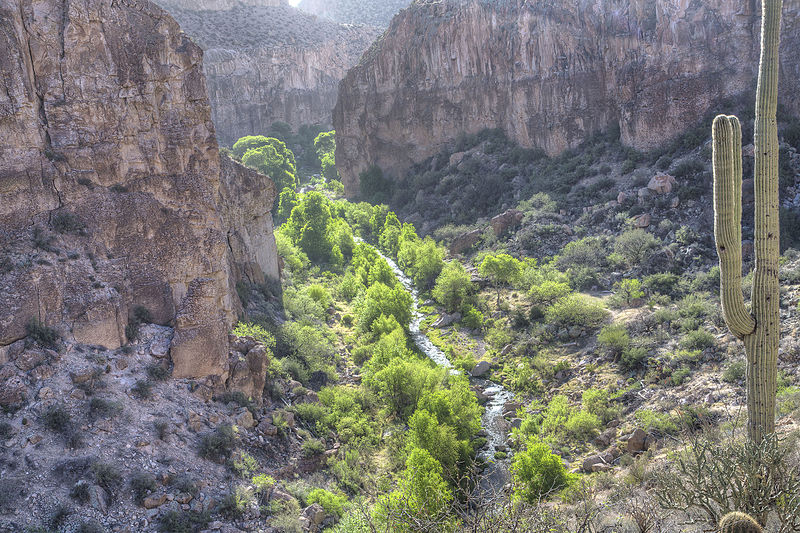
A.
pixel 157 372
pixel 332 503
pixel 626 291
pixel 634 358
pixel 576 310
pixel 255 332
pixel 734 372
pixel 66 222
pixel 472 318
pixel 583 425
pixel 219 444
pixel 107 476
pixel 143 389
pixel 183 521
pixel 44 336
pixel 100 408
pixel 374 187
pixel 312 447
pixel 699 339
pixel 635 246
pixel 453 286
pixel 142 484
pixel 57 419
pixel 596 402
pixel 655 422
pixel 537 472
pixel 614 339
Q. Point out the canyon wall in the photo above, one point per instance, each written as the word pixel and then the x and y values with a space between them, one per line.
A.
pixel 266 61
pixel 110 182
pixel 549 73
pixel 372 12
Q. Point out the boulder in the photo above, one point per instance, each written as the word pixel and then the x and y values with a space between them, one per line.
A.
pixel 637 441
pixel 154 500
pixel 447 320
pixel 642 221
pixel 315 513
pixel 465 241
pixel 662 183
pixel 505 221
pixel 480 369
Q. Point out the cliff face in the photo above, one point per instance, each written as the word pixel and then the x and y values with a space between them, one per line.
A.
pixel 373 12
pixel 549 74
pixel 266 61
pixel 110 181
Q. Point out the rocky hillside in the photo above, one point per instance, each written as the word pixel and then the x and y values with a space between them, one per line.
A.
pixel 115 208
pixel 547 74
pixel 266 61
pixel 373 12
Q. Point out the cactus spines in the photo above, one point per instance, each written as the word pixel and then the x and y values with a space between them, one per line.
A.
pixel 739 523
pixel 759 328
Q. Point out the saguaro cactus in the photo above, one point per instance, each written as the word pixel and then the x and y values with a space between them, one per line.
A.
pixel 739 523
pixel 759 328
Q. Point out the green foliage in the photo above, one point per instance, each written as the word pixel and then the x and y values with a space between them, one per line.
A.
pixel 501 269
pixel 634 357
pixel 663 283
pixel 374 187
pixel 325 146
pixel 626 291
pixel 183 521
pixel 334 504
pixel 537 472
pixel 453 286
pixel 734 372
pixel 382 300
pixel 218 444
pixel 699 339
pixel 56 418
pixel 287 201
pixel 402 383
pixel 42 335
pixel 142 483
pixel 614 339
pixel 270 157
pixel 635 246
pixel 420 259
pixel 655 422
pixel 582 425
pixel 308 226
pixel 597 402
pixel 421 491
pixel 548 291
pixel 471 318
pixel 576 310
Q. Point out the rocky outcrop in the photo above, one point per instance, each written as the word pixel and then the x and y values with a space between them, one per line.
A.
pixel 549 74
pixel 110 187
pixel 373 12
pixel 266 61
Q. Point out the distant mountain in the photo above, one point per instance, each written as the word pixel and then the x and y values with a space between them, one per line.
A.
pixel 266 61
pixel 373 12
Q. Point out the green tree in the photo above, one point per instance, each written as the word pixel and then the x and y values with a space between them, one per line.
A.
pixel 308 226
pixel 382 300
pixel 374 187
pixel 538 472
pixel 243 145
pixel 287 201
pixel 501 269
pixel 453 286
pixel 635 246
pixel 325 146
pixel 273 159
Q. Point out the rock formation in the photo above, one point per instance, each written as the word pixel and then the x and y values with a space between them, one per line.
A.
pixel 549 74
pixel 110 187
pixel 373 12
pixel 266 61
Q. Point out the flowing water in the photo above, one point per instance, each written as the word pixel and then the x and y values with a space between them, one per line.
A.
pixel 496 474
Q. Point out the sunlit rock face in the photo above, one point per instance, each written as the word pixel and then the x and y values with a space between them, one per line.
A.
pixel 266 61
pixel 372 12
pixel 110 182
pixel 550 74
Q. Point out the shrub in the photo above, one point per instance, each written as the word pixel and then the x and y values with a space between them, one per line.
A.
pixel 374 187
pixel 472 318
pixel 80 492
pixel 157 372
pixel 90 526
pixel 162 429
pixel 218 444
pixel 183 521
pixel 143 389
pixel 614 339
pixel 633 358
pixel 142 484
pixel 635 246
pixel 100 408
pixel 255 332
pixel 42 335
pixel 107 476
pixel 699 339
pixel 66 222
pixel 537 472
pixel 582 425
pixel 332 503
pixel 734 372
pixel 625 291
pixel 57 418
pixel 312 447
pixel 576 310
pixel 655 422
pixel 453 286
pixel 548 292
pixel 596 402
pixel 663 283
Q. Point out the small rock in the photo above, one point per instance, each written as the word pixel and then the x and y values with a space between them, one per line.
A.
pixel 480 369
pixel 154 500
pixel 244 418
pixel 642 221
pixel 662 184
pixel 315 513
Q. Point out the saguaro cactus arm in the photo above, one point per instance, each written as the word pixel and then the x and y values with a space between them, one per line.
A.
pixel 727 153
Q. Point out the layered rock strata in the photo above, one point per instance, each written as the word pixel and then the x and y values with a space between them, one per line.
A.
pixel 112 202
pixel 549 74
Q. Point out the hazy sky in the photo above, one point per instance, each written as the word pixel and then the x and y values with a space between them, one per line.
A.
pixel 294 2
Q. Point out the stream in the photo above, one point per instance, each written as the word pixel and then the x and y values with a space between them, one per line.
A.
pixel 496 474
